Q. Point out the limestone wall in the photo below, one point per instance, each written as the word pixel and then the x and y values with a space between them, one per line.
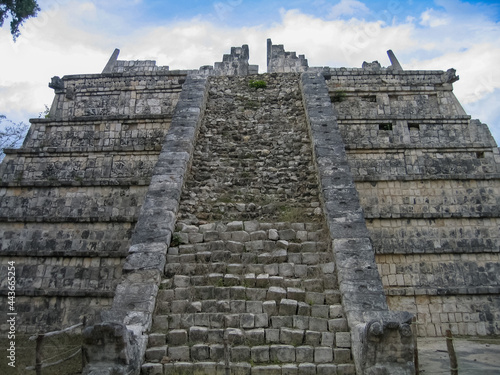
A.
pixel 133 93
pixel 438 199
pixel 452 235
pixel 71 204
pixel 83 169
pixel 254 155
pixel 468 315
pixel 70 197
pixel 419 133
pixel 77 238
pixel 386 159
pixel 137 134
pixel 428 179
pixel 237 284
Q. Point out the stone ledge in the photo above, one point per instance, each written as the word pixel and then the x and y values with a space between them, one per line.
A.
pixel 360 71
pixel 135 297
pixel 70 219
pixel 434 119
pixel 60 293
pixel 492 176
pixel 77 150
pixel 83 119
pixel 472 250
pixel 85 183
pixel 361 287
pixel 401 147
pixel 129 74
pixel 416 291
pixel 405 117
pixel 66 254
pixel 438 215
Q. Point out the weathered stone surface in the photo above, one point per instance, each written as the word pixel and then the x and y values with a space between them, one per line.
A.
pixel 240 354
pixel 260 354
pixel 323 355
pixel 110 345
pixel 238 180
pixel 282 353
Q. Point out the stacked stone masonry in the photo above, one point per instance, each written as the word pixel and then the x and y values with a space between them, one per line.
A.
pixel 250 291
pixel 259 293
pixel 135 93
pixel 70 197
pixel 428 179
pixel 209 226
pixel 281 61
pixel 381 339
pixel 253 158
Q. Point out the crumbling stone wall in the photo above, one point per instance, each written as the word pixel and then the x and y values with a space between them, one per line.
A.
pixel 281 61
pixel 232 64
pixel 134 93
pixel 381 339
pixel 253 154
pixel 428 177
pixel 299 207
pixel 250 290
pixel 70 197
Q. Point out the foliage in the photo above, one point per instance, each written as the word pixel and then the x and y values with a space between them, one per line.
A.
pixel 176 240
pixel 11 134
pixel 339 96
pixel 45 112
pixel 290 214
pixel 386 126
pixel 257 84
pixel 19 11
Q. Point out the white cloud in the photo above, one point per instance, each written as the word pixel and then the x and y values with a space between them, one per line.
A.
pixel 59 43
pixel 432 18
pixel 87 7
pixel 349 8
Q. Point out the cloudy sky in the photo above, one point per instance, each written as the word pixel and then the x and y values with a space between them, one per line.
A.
pixel 74 37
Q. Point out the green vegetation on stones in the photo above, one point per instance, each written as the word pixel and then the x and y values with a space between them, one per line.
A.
pixel 251 104
pixel 290 214
pixel 257 84
pixel 176 240
pixel 339 96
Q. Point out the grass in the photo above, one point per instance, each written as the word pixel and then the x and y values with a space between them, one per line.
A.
pixel 290 214
pixel 176 240
pixel 339 96
pixel 53 350
pixel 251 104
pixel 257 84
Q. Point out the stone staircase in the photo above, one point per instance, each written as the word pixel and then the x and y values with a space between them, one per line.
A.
pixel 249 285
pixel 249 298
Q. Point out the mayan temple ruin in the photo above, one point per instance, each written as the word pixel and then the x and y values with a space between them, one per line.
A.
pixel 305 221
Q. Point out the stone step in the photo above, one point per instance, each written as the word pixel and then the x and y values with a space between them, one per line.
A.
pixel 248 231
pixel 208 295
pixel 224 282
pixel 286 307
pixel 200 271
pixel 249 226
pixel 163 323
pixel 253 329
pixel 245 259
pixel 247 263
pixel 257 354
pixel 245 368
pixel 311 278
pixel 240 242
